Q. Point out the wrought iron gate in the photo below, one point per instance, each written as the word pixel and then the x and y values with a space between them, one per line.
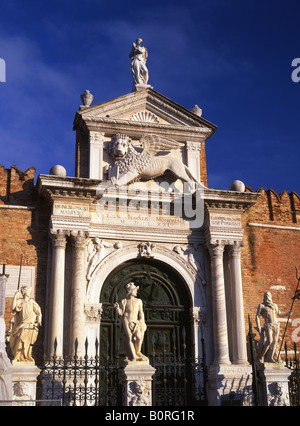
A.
pixel 294 380
pixel 179 380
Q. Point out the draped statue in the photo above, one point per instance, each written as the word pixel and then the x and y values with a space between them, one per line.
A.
pixel 23 332
pixel 139 55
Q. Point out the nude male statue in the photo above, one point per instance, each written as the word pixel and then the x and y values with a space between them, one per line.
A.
pixel 132 323
pixel 269 333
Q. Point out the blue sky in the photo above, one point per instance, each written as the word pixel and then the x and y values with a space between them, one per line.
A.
pixel 231 57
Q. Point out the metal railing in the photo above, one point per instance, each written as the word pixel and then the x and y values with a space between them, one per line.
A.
pixel 293 364
pixel 179 380
pixel 80 381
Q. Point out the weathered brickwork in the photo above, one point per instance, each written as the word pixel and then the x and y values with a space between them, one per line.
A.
pixel 270 255
pixel 23 229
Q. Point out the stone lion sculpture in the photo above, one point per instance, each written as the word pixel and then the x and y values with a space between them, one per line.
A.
pixel 133 166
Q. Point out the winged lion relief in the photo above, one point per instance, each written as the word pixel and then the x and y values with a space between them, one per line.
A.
pixel 131 165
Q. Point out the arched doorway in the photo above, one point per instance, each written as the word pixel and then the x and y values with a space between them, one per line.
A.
pixel 166 302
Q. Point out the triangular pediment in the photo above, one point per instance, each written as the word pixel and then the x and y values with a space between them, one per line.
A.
pixel 145 106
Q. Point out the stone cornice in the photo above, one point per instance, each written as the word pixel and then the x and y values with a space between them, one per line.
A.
pixel 111 126
pixel 87 189
pixel 54 187
pixel 229 200
pixel 181 121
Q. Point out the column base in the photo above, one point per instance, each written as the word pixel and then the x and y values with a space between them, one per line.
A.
pixel 137 379
pixel 230 385
pixel 5 377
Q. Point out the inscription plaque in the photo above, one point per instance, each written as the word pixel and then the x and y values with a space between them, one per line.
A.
pixel 225 221
pixel 75 210
pixel 140 220
pixel 27 278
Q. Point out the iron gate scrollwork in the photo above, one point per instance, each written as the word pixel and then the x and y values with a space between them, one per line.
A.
pixel 180 377
pixel 179 380
pixel 294 380
pixel 72 380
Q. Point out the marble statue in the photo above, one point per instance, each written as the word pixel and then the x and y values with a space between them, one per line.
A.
pixel 134 166
pixel 27 318
pixel 96 252
pixel 132 323
pixel 269 333
pixel 5 364
pixel 146 249
pixel 139 55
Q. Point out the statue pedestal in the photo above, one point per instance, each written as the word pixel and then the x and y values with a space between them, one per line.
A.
pixel 24 377
pixel 273 384
pixel 137 379
pixel 140 87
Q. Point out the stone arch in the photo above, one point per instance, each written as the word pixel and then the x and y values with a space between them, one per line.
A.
pixel 162 254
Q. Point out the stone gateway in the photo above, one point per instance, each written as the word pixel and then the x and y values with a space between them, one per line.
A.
pixel 143 274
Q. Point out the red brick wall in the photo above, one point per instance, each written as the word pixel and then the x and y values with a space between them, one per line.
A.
pixel 270 255
pixel 16 187
pixel 23 229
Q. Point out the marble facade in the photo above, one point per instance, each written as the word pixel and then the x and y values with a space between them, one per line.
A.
pixel 208 258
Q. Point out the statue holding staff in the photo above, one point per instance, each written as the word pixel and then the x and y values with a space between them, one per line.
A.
pixel 27 317
pixel 269 333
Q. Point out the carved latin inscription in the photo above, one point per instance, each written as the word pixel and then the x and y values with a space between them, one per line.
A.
pixel 225 221
pixel 75 210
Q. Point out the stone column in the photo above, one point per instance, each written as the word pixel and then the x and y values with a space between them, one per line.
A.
pixel 221 352
pixel 57 292
pixel 93 313
pixel 193 158
pixel 77 320
pixel 239 332
pixel 95 155
pixel 198 318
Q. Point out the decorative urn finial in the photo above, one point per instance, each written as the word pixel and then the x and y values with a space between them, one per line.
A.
pixel 86 98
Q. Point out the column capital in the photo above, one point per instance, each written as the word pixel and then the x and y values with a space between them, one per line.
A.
pixel 193 146
pixel 58 238
pixel 96 137
pixel 198 314
pixel 216 248
pixel 79 239
pixel 236 247
pixel 93 312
